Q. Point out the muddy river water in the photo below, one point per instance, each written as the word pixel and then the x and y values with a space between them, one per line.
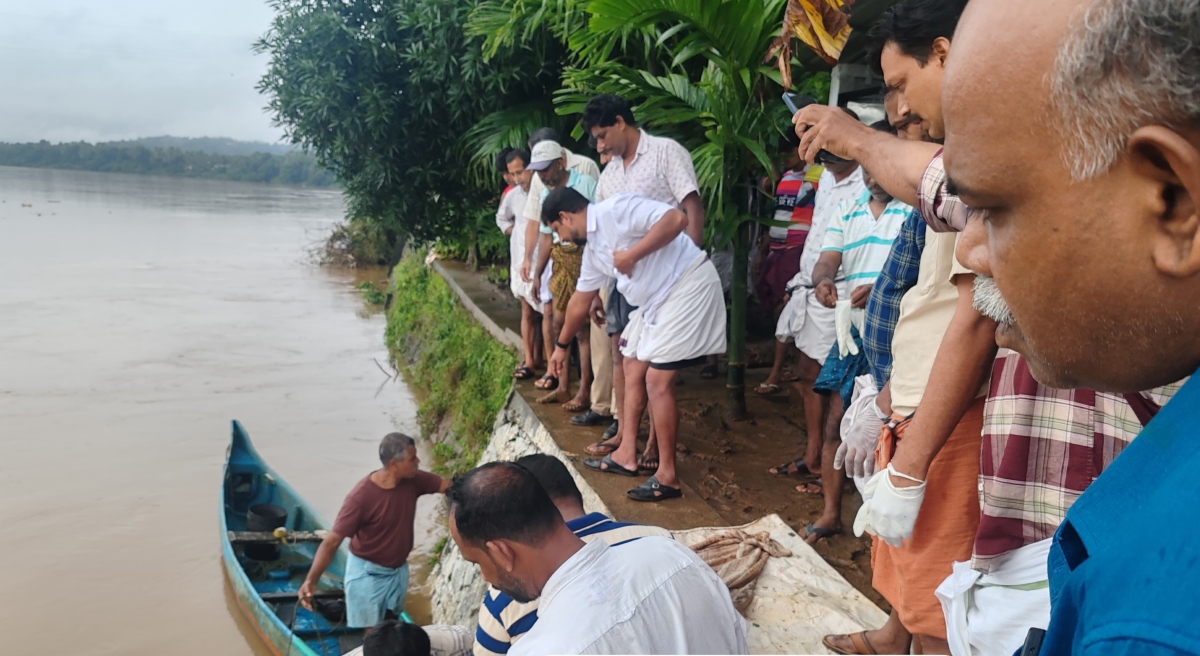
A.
pixel 138 316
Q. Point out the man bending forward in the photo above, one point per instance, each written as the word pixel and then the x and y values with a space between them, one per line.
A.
pixel 680 317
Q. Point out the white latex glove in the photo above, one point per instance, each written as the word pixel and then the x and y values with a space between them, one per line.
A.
pixel 861 426
pixel 889 512
pixel 842 322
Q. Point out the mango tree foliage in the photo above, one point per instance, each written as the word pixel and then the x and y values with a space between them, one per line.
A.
pixel 383 93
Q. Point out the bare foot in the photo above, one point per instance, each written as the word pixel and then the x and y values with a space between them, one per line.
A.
pixel 581 402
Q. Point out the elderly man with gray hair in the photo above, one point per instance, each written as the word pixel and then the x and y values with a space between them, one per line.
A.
pixel 377 516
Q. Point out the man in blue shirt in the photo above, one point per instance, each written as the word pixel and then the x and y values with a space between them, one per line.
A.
pixel 503 620
pixel 1080 160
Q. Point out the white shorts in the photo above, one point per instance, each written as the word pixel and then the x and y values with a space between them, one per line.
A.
pixel 689 324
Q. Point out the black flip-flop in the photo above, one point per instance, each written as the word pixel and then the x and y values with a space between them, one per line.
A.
pixel 523 373
pixel 607 466
pixel 821 532
pixel 709 371
pixel 652 490
pixel 553 383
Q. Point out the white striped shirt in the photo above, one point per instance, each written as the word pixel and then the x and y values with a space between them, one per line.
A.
pixel 502 621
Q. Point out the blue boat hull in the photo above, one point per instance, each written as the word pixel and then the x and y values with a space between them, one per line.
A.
pixel 286 627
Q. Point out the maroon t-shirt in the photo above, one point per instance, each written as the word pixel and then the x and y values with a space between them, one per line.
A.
pixel 379 522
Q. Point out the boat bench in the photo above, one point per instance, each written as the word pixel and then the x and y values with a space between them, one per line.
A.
pixel 263 537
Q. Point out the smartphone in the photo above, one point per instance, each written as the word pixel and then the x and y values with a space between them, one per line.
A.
pixel 794 102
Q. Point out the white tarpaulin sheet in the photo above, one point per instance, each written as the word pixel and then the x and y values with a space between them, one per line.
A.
pixel 799 599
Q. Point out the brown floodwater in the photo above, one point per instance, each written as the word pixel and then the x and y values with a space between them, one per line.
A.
pixel 138 316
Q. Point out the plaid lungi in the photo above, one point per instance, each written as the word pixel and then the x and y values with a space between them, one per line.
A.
pixel 568 259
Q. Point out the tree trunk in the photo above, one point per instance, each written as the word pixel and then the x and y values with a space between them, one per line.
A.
pixel 473 254
pixel 735 382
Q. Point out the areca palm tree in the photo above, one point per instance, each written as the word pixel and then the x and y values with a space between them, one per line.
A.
pixel 695 70
pixel 718 97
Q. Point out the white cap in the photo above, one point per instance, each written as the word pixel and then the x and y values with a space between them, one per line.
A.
pixel 544 152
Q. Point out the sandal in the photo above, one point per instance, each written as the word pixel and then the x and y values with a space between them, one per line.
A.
pixel 648 462
pixel 547 382
pixel 709 371
pixel 859 640
pixel 821 532
pixel 601 448
pixel 652 490
pixel 523 373
pixel 795 467
pixel 607 466
pixel 807 488
pixel 767 389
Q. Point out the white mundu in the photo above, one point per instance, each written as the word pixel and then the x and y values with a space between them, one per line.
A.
pixel 652 596
pixel 681 310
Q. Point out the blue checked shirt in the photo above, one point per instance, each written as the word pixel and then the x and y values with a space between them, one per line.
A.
pixel 899 274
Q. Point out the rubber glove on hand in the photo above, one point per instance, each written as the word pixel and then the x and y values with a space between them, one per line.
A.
pixel 889 512
pixel 861 426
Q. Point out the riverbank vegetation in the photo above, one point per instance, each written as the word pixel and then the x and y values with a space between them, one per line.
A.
pixel 409 101
pixel 463 373
pixel 294 168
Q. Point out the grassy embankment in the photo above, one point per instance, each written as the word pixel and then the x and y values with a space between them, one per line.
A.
pixel 462 374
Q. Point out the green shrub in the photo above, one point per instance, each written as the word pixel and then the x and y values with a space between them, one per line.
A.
pixel 372 294
pixel 464 373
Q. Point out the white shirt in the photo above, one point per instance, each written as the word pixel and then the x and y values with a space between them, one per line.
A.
pixel 830 195
pixel 510 207
pixel 617 224
pixel 444 640
pixel 864 240
pixel 660 170
pixel 578 163
pixel 653 596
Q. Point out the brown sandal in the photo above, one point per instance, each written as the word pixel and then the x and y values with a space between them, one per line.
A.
pixel 859 640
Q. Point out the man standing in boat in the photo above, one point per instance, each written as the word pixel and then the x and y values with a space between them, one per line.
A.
pixel 377 516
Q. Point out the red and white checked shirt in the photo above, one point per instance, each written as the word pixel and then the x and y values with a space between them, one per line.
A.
pixel 1042 448
pixel 942 210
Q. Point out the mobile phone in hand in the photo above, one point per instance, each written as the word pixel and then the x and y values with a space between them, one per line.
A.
pixel 794 102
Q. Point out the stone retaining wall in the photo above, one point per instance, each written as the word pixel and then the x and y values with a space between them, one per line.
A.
pixel 456 585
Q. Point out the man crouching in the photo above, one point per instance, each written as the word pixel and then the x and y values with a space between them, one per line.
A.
pixel 680 317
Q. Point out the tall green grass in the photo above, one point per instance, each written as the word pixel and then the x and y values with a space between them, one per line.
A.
pixel 464 374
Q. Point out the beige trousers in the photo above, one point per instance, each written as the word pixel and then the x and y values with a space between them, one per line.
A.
pixel 604 400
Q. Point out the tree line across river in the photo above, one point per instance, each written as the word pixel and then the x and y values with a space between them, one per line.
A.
pixel 294 168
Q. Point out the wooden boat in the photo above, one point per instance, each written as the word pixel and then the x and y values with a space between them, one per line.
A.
pixel 267 567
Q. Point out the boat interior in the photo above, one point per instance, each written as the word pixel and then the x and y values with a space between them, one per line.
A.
pixel 256 505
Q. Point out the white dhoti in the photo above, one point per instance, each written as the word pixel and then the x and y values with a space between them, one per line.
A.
pixel 516 251
pixel 990 614
pixel 544 286
pixel 812 326
pixel 688 324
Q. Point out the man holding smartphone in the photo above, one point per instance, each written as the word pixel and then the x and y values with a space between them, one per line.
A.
pixel 806 321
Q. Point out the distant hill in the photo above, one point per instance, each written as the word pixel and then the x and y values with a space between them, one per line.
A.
pixel 295 167
pixel 210 145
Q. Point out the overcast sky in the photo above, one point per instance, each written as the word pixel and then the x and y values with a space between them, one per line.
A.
pixel 101 70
